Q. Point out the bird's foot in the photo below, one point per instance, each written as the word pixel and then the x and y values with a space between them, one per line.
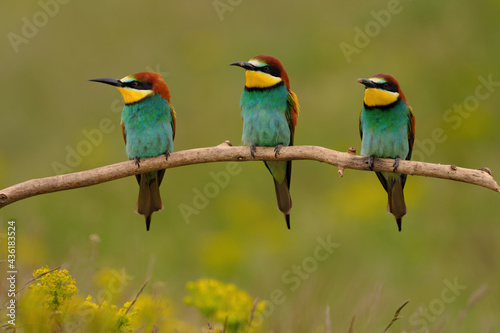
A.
pixel 396 163
pixel 371 161
pixel 167 154
pixel 137 161
pixel 252 150
pixel 277 149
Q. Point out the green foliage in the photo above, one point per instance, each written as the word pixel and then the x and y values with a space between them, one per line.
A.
pixel 55 288
pixel 52 304
pixel 224 303
pixel 48 301
pixel 107 316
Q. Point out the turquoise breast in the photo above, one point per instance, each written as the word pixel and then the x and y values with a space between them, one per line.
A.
pixel 148 127
pixel 264 113
pixel 385 131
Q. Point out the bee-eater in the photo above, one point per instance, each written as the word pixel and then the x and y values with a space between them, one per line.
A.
pixel 269 110
pixel 387 129
pixel 148 127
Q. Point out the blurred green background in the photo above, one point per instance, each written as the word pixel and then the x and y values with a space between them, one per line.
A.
pixel 437 50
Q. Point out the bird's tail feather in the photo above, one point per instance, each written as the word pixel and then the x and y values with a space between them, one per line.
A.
pixel 284 199
pixel 396 201
pixel 149 197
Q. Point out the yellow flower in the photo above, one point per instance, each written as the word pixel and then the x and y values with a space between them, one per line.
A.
pixel 55 288
pixel 222 302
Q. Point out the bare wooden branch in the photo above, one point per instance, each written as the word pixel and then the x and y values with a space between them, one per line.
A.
pixel 226 153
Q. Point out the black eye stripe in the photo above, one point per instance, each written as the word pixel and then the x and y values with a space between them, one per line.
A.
pixel 139 85
pixel 388 86
pixel 274 71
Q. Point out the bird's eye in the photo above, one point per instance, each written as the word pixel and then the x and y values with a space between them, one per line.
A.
pixel 386 85
pixel 134 84
pixel 265 69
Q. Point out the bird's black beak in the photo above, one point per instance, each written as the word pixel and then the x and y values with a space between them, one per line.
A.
pixel 244 64
pixel 112 82
pixel 367 82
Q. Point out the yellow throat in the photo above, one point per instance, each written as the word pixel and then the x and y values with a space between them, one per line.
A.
pixel 378 97
pixel 131 95
pixel 256 79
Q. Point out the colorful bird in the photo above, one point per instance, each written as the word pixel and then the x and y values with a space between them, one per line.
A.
pixel 387 129
pixel 148 127
pixel 269 110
